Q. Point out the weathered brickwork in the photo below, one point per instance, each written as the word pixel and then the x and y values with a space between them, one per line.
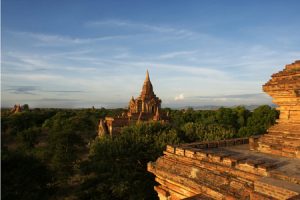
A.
pixel 258 168
pixel 284 138
pixel 224 172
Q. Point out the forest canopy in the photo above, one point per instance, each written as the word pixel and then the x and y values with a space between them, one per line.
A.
pixel 56 154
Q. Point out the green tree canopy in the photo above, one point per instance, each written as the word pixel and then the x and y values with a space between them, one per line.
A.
pixel 24 177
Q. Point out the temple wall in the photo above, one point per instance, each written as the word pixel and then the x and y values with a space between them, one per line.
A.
pixel 284 138
pixel 265 169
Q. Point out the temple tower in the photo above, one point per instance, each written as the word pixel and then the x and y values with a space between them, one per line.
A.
pixel 284 137
pixel 147 102
pixel 145 108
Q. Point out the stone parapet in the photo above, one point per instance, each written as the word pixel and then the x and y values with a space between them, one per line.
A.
pixel 220 173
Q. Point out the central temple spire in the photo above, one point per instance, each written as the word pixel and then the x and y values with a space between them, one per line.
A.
pixel 147 90
pixel 147 76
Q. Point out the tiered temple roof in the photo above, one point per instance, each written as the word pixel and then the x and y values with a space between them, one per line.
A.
pixel 147 91
pixel 268 168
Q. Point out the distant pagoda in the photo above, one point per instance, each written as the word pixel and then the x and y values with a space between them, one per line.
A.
pixel 16 109
pixel 146 107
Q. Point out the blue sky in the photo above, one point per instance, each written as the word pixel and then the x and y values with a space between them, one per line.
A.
pixel 198 52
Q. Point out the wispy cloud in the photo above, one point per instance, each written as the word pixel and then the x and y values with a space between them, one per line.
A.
pixel 176 54
pixel 34 77
pixel 179 32
pixel 34 90
pixel 233 96
pixel 26 62
pixel 80 69
pixel 65 91
pixel 245 99
pixel 31 90
pixel 58 40
pixel 111 71
pixel 58 99
pixel 224 100
pixel 200 71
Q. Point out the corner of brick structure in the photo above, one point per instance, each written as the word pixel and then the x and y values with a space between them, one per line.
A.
pixel 261 167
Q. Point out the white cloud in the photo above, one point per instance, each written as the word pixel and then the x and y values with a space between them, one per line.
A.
pixel 176 54
pixel 182 33
pixel 179 97
pixel 33 77
pixel 207 64
pixel 58 40
pixel 81 69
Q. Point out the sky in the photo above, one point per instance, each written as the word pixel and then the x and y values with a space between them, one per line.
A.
pixel 71 53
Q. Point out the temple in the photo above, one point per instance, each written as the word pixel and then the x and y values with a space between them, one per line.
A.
pixel 146 107
pixel 257 168
pixel 16 109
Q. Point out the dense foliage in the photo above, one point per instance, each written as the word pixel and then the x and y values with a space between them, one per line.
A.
pixel 121 162
pixel 24 177
pixel 61 145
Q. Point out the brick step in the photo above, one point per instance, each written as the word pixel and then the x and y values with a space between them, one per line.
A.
pixel 286 135
pixel 275 188
pixel 292 131
pixel 203 180
pixel 277 128
pixel 242 162
pixel 295 133
pixel 200 174
pixel 279 146
pixel 280 141
pixel 270 141
pixel 277 150
pixel 287 125
pixel 277 174
pixel 280 137
pixel 284 142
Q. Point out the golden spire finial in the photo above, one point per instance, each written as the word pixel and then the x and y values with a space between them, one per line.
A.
pixel 147 76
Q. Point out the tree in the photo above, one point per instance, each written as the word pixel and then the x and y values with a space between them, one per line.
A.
pixel 117 166
pixel 259 121
pixel 24 177
pixel 63 151
pixel 242 116
pixel 25 107
pixel 227 117
pixel 205 132
pixel 29 137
